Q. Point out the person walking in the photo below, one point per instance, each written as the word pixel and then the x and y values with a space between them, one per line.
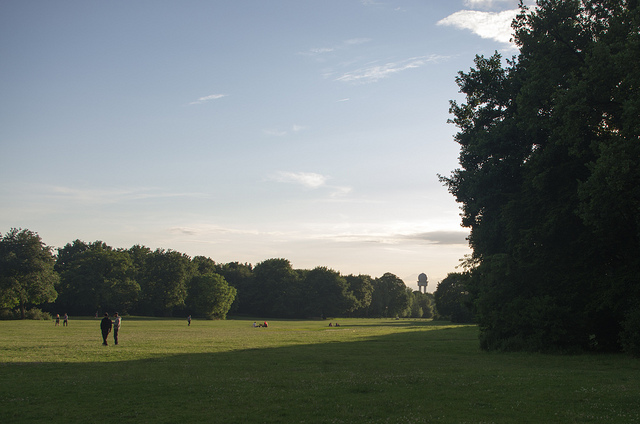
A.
pixel 65 320
pixel 105 326
pixel 116 327
pixel 189 321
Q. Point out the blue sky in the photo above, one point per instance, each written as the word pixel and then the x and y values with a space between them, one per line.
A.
pixel 242 130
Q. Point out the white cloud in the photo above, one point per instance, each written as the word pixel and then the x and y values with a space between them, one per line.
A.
pixel 207 98
pixel 495 26
pixel 377 72
pixel 307 179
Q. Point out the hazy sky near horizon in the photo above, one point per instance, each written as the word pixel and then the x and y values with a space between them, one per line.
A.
pixel 242 130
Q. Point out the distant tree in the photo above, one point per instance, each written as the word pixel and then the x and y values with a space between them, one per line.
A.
pixel 163 281
pixel 203 265
pixel 451 298
pixel 210 296
pixel 362 289
pixel 390 297
pixel 27 276
pixel 95 277
pixel 327 293
pixel 239 276
pixel 422 305
pixel 276 289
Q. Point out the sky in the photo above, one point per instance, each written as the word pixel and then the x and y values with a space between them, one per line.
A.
pixel 311 130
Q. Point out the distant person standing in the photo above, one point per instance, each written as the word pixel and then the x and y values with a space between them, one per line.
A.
pixel 116 327
pixel 105 326
pixel 65 320
pixel 57 319
pixel 189 321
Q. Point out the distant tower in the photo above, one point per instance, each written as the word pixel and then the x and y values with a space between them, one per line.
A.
pixel 422 283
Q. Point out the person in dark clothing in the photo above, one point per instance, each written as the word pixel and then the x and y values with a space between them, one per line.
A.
pixel 105 326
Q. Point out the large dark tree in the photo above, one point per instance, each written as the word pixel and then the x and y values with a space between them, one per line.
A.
pixel 327 293
pixel 27 276
pixel 390 297
pixel 239 276
pixel 95 277
pixel 549 178
pixel 451 298
pixel 163 279
pixel 276 289
pixel 210 296
pixel 362 289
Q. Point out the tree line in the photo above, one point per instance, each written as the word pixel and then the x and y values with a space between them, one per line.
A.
pixel 84 278
pixel 549 180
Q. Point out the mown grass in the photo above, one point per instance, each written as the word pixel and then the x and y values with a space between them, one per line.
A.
pixel 366 371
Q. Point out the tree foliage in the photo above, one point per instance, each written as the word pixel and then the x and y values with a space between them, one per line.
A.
pixel 452 299
pixel 549 178
pixel 390 297
pixel 95 277
pixel 27 275
pixel 210 296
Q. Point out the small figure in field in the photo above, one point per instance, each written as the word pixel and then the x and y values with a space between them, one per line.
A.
pixel 254 324
pixel 189 321
pixel 96 314
pixel 105 326
pixel 266 324
pixel 116 327
pixel 57 319
pixel 330 325
pixel 337 325
pixel 65 320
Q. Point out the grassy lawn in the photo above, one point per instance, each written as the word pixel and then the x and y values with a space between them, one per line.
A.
pixel 365 371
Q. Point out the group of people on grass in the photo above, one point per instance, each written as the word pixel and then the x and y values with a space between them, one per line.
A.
pixel 264 324
pixel 65 320
pixel 334 325
pixel 106 325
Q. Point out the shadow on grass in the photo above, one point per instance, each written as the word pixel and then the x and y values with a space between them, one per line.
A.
pixel 410 376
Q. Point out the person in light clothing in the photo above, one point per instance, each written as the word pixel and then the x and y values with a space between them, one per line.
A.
pixel 116 327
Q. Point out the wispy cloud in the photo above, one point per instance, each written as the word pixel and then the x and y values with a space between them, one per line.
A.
pixel 208 98
pixel 377 72
pixel 312 180
pixel 114 195
pixel 316 51
pixel 306 179
pixel 431 237
pixel 491 25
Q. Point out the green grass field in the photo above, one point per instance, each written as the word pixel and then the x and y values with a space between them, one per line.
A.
pixel 365 371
